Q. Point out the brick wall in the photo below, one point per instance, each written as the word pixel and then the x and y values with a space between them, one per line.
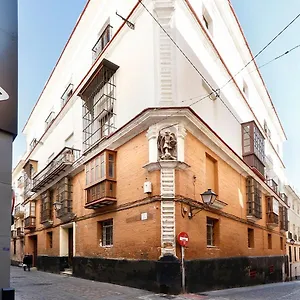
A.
pixel 232 234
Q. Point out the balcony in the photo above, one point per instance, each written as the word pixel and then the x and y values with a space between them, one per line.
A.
pixel 253 146
pixel 273 185
pixel 29 223
pixel 58 165
pixel 272 220
pixel 27 188
pixel 19 211
pixel 101 194
pixel 283 219
pixel 20 232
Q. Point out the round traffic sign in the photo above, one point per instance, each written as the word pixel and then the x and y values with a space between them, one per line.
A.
pixel 183 239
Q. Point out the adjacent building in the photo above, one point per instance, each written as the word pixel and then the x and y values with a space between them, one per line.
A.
pixel 137 120
pixel 293 235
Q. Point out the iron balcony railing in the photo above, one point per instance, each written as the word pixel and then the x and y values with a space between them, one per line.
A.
pixel 66 208
pixel 273 185
pixel 63 160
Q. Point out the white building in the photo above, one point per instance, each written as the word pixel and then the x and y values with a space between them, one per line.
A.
pixel 171 62
pixel 293 235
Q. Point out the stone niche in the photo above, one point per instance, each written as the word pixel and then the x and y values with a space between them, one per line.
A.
pixel 166 147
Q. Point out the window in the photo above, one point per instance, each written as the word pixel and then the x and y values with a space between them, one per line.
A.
pixel 211 173
pixel 290 253
pixel 207 21
pixel 253 145
pixel 32 144
pixel 102 41
pixel 211 232
pixel 107 233
pixel 250 238
pixel 284 224
pixel 15 247
pixel 267 130
pixel 272 210
pixel 281 243
pixel 49 120
pixel 245 89
pixel 295 254
pixel 99 105
pixel 269 241
pixel 50 239
pixel 101 167
pixel 253 198
pixel 67 94
pixel 46 207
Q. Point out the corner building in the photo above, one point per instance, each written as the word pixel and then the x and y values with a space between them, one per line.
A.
pixel 126 136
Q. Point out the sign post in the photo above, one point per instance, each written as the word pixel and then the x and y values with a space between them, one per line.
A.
pixel 182 239
pixel 8 130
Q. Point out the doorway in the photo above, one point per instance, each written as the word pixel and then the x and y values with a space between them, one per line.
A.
pixel 67 243
pixel 70 247
pixel 33 249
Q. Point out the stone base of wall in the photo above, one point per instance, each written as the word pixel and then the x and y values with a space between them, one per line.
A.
pixel 222 273
pixel 52 264
pixel 158 276
pixel 164 275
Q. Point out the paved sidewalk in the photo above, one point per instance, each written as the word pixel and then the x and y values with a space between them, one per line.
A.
pixel 36 285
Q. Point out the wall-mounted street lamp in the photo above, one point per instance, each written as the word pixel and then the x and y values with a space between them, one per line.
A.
pixel 208 198
pixel 292 241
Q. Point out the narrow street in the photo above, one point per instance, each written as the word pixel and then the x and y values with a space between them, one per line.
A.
pixel 35 285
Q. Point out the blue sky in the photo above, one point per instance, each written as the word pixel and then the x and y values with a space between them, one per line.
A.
pixel 44 27
pixel 261 20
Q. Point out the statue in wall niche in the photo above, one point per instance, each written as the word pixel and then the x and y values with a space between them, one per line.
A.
pixel 167 145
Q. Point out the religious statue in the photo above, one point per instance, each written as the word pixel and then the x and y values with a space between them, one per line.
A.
pixel 166 144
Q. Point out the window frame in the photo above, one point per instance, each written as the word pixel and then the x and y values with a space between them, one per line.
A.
pixel 107 225
pixel 211 232
pixel 103 168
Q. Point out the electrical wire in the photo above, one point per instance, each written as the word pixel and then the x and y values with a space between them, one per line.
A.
pixel 262 50
pixel 275 58
pixel 217 93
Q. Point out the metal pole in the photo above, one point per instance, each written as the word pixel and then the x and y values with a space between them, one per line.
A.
pixel 182 269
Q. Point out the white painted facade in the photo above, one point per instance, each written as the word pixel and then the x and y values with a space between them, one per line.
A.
pixel 293 234
pixel 152 72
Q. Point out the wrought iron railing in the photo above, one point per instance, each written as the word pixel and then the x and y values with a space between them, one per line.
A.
pixel 64 159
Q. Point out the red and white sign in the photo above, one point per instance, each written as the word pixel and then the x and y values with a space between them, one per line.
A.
pixel 183 239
